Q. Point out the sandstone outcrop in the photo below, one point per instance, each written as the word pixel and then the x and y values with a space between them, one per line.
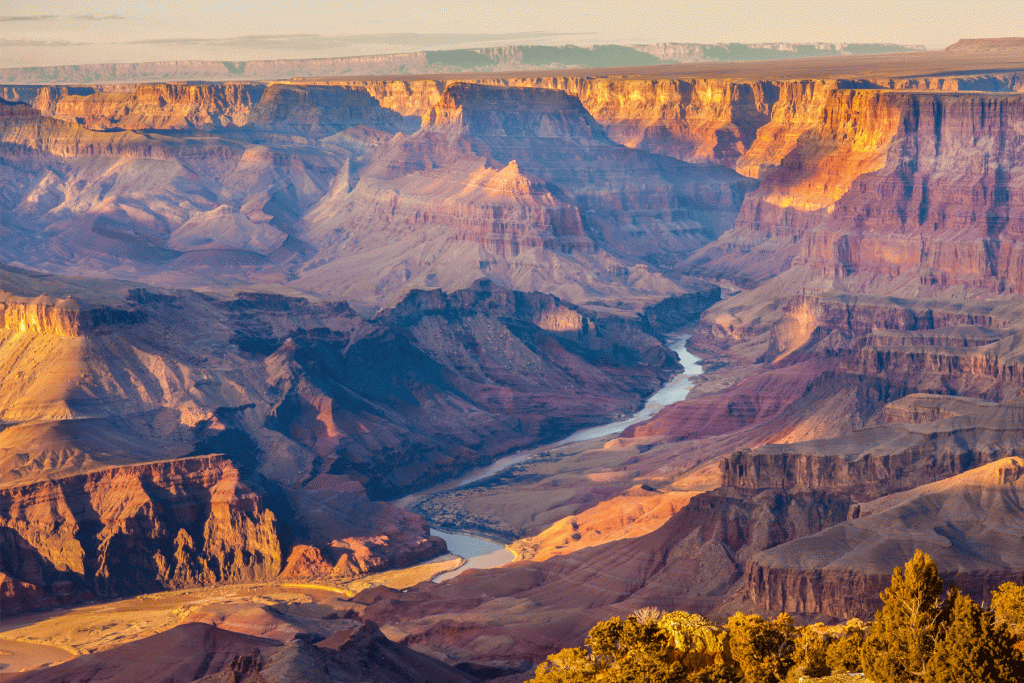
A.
pixel 133 528
pixel 970 524
pixel 877 461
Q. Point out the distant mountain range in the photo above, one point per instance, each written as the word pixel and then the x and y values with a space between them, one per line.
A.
pixel 492 59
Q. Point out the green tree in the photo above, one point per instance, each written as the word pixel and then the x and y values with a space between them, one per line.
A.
pixel 1008 605
pixel 617 651
pixel 571 665
pixel 763 649
pixel 903 635
pixel 973 648
pixel 811 650
pixel 843 654
pixel 697 643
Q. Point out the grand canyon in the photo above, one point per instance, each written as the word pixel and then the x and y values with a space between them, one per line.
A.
pixel 255 329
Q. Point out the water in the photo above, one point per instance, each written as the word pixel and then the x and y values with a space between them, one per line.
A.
pixel 478 553
pixel 676 389
pixel 483 554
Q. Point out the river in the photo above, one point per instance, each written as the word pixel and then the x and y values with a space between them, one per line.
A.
pixel 483 554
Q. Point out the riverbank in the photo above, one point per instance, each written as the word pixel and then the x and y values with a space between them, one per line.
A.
pixel 495 503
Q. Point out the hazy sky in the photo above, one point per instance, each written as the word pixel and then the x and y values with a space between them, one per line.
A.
pixel 53 32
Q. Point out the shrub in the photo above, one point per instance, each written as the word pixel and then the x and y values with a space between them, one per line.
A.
pixel 903 635
pixel 763 649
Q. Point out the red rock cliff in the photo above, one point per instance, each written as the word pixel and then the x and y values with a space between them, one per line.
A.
pixel 896 192
pixel 130 529
pixel 970 525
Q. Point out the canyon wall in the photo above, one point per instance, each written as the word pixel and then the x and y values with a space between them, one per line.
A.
pixel 136 528
pixel 925 438
pixel 64 319
pixel 893 186
pixel 892 192
pixel 741 123
pixel 841 570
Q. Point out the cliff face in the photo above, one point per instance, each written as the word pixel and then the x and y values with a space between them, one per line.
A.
pixel 961 435
pixel 138 528
pixel 893 192
pixel 525 183
pixel 891 185
pixel 152 106
pixel 63 319
pixel 310 110
pixel 962 149
pixel 841 570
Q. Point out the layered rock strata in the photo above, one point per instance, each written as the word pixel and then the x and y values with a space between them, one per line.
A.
pixel 167 524
pixel 511 184
pixel 318 412
pixel 970 524
pixel 839 162
pixel 927 207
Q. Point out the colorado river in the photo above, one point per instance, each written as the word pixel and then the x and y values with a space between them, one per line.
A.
pixel 483 554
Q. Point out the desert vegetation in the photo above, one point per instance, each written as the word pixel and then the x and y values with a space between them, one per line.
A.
pixel 923 633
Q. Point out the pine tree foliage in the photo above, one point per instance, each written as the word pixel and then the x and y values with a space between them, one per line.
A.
pixel 763 649
pixel 617 651
pixel 973 648
pixel 1008 605
pixel 844 653
pixel 811 650
pixel 903 635
pixel 698 643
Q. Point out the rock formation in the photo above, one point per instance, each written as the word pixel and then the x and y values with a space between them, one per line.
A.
pixel 513 184
pixel 181 654
pixel 970 524
pixel 132 528
pixel 199 652
pixel 109 407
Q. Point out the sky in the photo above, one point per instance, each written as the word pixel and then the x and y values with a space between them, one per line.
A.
pixel 57 32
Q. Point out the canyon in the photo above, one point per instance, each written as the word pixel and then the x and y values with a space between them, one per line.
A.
pixel 239 318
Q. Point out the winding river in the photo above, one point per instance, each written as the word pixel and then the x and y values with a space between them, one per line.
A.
pixel 483 554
